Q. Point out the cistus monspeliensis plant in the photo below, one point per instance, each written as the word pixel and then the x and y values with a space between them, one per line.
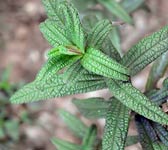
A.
pixel 84 59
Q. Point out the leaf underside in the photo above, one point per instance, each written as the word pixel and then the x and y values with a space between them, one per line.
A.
pixel 145 137
pixel 159 96
pixel 161 132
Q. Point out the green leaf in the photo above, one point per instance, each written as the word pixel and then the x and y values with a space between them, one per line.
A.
pixel 114 36
pixel 144 133
pixel 131 140
pixel 89 22
pixel 52 8
pixel 157 71
pixel 131 5
pixel 89 138
pixel 73 25
pixel 116 9
pixel 148 124
pixel 109 49
pixel 99 63
pixel 73 123
pixel 116 128
pixel 159 146
pixel 146 51
pixel 135 100
pixel 56 86
pixel 65 145
pixel 92 107
pixel 63 27
pixel 161 132
pixel 99 33
pixel 76 73
pixel 165 83
pixel 55 33
pixel 159 96
pixel 54 64
pixel 109 43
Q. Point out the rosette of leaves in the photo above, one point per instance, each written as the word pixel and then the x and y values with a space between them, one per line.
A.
pixel 82 61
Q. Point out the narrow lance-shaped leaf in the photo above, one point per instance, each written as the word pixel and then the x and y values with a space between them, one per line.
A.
pixel 89 22
pixel 65 145
pixel 146 51
pixel 106 41
pixel 114 36
pixel 161 132
pixel 53 65
pixel 159 96
pixel 73 25
pixel 116 9
pixel 99 63
pixel 92 107
pixel 109 49
pixel 74 72
pixel 64 29
pixel 157 71
pixel 138 102
pixel 144 131
pixel 56 86
pixel 159 146
pixel 73 123
pixel 99 33
pixel 117 122
pixel 52 8
pixel 89 138
pixel 54 33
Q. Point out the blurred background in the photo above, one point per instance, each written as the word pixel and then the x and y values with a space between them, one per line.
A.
pixel 22 53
